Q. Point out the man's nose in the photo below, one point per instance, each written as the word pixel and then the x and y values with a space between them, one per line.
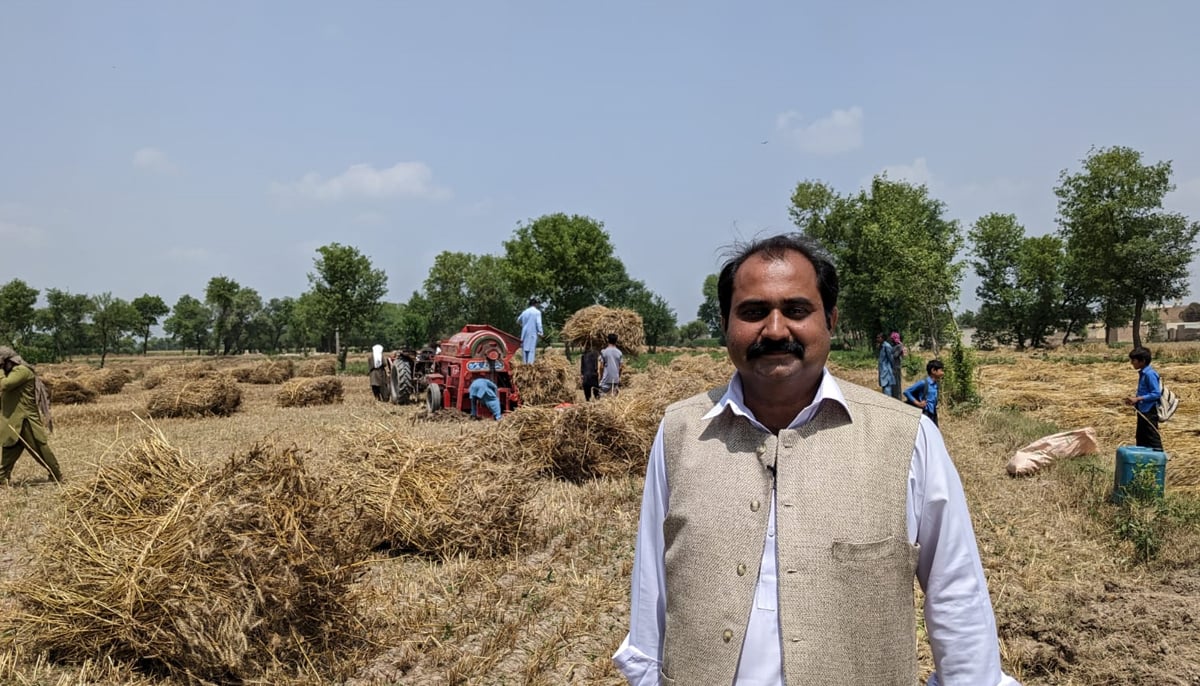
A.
pixel 775 326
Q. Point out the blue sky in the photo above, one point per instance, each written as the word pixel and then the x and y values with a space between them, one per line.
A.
pixel 148 146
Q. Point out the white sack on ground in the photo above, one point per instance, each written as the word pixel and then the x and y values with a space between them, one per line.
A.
pixel 1047 449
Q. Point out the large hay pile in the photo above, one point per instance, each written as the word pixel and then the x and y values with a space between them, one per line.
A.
pixel 304 392
pixel 440 499
pixel 106 381
pixel 548 380
pixel 216 395
pixel 317 366
pixel 591 326
pixel 231 577
pixel 157 376
pixel 67 391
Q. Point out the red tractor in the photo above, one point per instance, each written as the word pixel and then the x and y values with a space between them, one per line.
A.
pixel 476 351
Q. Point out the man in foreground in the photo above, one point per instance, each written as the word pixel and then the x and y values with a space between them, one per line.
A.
pixel 24 404
pixel 785 515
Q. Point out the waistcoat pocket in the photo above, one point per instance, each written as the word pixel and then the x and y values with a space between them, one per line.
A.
pixel 851 551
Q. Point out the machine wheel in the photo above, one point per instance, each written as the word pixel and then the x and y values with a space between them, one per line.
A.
pixel 433 398
pixel 484 342
pixel 402 391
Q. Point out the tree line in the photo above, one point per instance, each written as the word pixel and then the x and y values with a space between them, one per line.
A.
pixel 1115 252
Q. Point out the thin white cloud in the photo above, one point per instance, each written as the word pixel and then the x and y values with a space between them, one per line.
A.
pixel 155 160
pixel 841 131
pixel 916 173
pixel 12 233
pixel 405 179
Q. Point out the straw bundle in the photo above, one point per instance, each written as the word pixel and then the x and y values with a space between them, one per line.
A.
pixel 67 391
pixel 242 374
pixel 157 376
pixel 439 499
pixel 217 395
pixel 272 371
pixel 606 438
pixel 317 366
pixel 447 415
pixel 304 392
pixel 548 380
pixel 226 578
pixel 591 326
pixel 106 381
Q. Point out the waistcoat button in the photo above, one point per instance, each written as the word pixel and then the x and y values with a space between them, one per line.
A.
pixel 741 570
pixel 760 450
pixel 754 506
pixel 727 636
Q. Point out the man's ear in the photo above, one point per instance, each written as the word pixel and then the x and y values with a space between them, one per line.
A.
pixel 724 325
pixel 831 318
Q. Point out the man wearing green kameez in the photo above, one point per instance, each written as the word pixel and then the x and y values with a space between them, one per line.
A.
pixel 24 405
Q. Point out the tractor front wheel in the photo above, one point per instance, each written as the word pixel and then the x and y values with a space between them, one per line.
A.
pixel 433 398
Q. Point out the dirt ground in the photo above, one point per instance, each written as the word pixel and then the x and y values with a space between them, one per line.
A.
pixel 1071 606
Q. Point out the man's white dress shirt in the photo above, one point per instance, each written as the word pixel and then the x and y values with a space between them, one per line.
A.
pixel 958 611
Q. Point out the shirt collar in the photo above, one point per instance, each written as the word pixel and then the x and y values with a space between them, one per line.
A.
pixel 735 401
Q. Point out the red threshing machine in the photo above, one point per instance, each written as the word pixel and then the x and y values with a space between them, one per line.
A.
pixel 476 351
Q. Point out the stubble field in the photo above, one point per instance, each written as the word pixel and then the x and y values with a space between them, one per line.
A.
pixel 1071 604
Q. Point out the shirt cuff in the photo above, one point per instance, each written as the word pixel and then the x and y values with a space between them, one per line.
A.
pixel 1005 680
pixel 638 668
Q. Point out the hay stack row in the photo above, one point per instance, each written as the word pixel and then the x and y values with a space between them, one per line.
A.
pixel 590 327
pixel 265 372
pixel 83 384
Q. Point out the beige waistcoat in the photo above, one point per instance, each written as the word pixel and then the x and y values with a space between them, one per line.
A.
pixel 845 566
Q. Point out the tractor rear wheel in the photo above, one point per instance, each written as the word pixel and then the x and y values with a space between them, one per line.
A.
pixel 433 398
pixel 402 384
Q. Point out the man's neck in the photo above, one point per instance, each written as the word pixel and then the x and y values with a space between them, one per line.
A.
pixel 783 407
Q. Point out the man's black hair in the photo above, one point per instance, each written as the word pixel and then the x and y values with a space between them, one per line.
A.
pixel 932 365
pixel 775 248
pixel 612 338
pixel 1140 354
pixel 533 300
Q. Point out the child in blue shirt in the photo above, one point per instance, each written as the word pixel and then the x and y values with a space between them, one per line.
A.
pixel 924 393
pixel 1145 402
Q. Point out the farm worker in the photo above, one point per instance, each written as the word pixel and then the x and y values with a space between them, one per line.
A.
pixel 898 353
pixel 484 389
pixel 1145 401
pixel 378 374
pixel 589 372
pixel 25 405
pixel 785 514
pixel 530 321
pixel 887 376
pixel 924 393
pixel 612 361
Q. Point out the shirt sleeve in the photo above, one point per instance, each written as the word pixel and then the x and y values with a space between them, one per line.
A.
pixel 20 374
pixel 910 392
pixel 958 611
pixel 639 656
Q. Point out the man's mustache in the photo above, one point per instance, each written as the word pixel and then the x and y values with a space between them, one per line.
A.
pixel 767 347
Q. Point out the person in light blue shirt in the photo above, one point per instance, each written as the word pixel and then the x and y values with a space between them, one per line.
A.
pixel 924 393
pixel 887 377
pixel 484 389
pixel 1145 402
pixel 530 322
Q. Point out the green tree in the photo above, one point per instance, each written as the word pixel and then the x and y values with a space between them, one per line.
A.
pixel 150 309
pixel 447 292
pixel 17 300
pixel 112 318
pixel 490 297
pixel 658 319
pixel 347 289
pixel 234 307
pixel 693 331
pixel 272 323
pixel 414 322
pixel 190 323
pixel 64 319
pixel 710 310
pixel 1125 250
pixel 565 261
pixel 895 252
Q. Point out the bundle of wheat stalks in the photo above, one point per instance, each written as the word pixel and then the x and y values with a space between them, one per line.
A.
pixel 219 577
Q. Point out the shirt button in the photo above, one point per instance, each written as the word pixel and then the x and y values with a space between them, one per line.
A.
pixel 727 636
pixel 741 570
pixel 761 450
pixel 754 506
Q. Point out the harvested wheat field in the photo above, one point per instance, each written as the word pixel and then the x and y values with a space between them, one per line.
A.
pixel 361 543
